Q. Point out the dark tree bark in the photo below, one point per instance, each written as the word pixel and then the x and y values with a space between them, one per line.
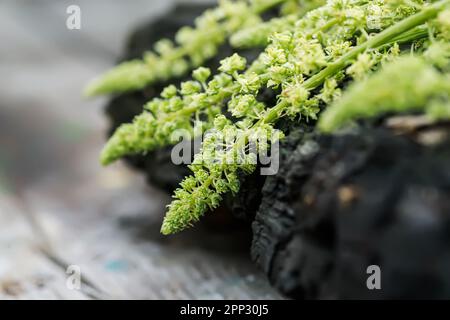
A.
pixel 342 203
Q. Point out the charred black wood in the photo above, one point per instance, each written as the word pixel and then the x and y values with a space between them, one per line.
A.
pixel 343 203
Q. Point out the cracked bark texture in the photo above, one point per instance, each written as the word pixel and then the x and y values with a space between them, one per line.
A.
pixel 341 203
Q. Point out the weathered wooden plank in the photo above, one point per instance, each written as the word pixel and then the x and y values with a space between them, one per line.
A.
pixel 117 246
pixel 26 273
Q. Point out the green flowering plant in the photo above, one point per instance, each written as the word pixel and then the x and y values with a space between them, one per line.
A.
pixel 258 35
pixel 406 84
pixel 313 60
pixel 192 47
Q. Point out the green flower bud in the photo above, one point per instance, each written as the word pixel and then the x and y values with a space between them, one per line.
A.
pixel 190 87
pixel 232 64
pixel 169 92
pixel 201 74
pixel 220 122
pixel 164 47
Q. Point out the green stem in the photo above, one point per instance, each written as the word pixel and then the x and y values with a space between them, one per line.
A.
pixel 326 26
pixel 414 34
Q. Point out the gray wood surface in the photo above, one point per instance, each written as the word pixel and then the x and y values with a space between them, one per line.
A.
pixel 58 207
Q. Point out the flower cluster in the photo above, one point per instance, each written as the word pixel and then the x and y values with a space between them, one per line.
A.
pixel 334 44
pixel 296 98
pixel 419 83
pixel 192 47
pixel 191 108
pixel 258 35
pixel 216 170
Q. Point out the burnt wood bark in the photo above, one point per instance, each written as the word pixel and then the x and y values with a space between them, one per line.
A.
pixel 341 203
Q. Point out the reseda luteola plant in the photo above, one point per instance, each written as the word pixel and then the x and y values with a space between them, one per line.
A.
pixel 419 83
pixel 308 62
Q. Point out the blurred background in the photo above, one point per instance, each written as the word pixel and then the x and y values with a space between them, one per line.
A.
pixel 58 206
